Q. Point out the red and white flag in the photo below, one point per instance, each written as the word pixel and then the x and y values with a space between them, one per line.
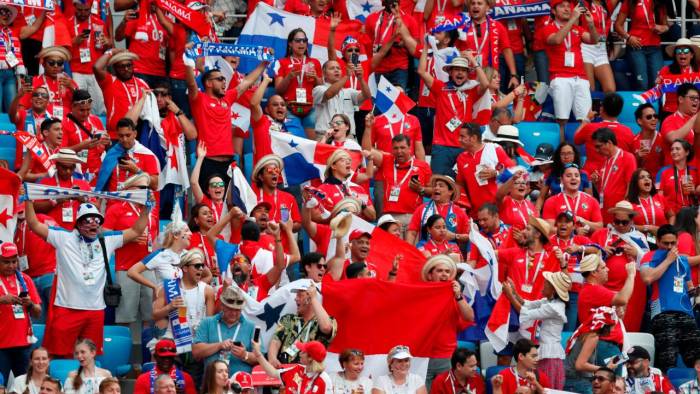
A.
pixel 481 111
pixel 175 169
pixel 497 327
pixel 39 151
pixel 9 192
pixel 391 101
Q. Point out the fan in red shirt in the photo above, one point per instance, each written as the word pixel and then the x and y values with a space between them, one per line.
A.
pixel 380 132
pixel 514 208
pixel 164 355
pixel 51 140
pixel 85 134
pixel 148 39
pixel 583 206
pixel 55 80
pixel 309 376
pixel 610 109
pixel 679 182
pixel 648 145
pixel 612 177
pixel 651 207
pixel 463 377
pixel 338 185
pixel 121 89
pixel 570 88
pixel 680 125
pixel 436 232
pixel 524 373
pixel 29 119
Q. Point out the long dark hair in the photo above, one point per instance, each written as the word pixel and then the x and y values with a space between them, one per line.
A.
pixel 78 380
pixel 209 380
pixel 194 212
pixel 290 38
pixel 633 193
pixel 557 165
pixel 685 221
pixel 430 223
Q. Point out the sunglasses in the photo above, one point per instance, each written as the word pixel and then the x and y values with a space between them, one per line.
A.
pixel 161 93
pixel 651 116
pixel 234 302
pixel 42 95
pixel 5 12
pixel 621 222
pixel 352 50
pixel 92 220
pixel 682 51
pixel 198 266
pixel 124 65
pixel 336 123
pixel 600 378
pixel 55 63
pixel 216 184
pixel 81 102
pixel 272 170
pixel 220 79
pixel 301 40
pixel 322 266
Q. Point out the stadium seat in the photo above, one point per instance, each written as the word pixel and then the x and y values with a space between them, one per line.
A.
pixel 7 149
pixel 60 368
pixel 162 224
pixel 487 355
pixel 634 127
pixel 678 376
pixel 469 345
pixel 147 367
pixel 117 331
pixel 569 131
pixel 535 133
pixel 490 373
pixel 631 104
pixel 117 352
pixel 565 335
pixel 39 330
pixel 644 340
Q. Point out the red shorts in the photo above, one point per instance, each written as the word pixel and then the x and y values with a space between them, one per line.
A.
pixel 65 326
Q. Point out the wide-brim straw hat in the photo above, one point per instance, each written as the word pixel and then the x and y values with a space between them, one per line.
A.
pixel 68 156
pixel 541 225
pixel 623 207
pixel 589 263
pixel 434 261
pixel 335 156
pixel 684 42
pixel 122 56
pixel 266 160
pixel 55 51
pixel 561 283
pixel 450 182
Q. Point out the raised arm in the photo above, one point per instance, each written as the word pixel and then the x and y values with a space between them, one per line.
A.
pixel 335 264
pixel 213 233
pixel 652 274
pixel 100 66
pixel 192 88
pixel 135 110
pixel 139 226
pixel 269 369
pixel 367 135
pixel 256 111
pixel 249 79
pixel 164 21
pixel 29 30
pixel 325 325
pixel 423 68
pixel 187 126
pixel 558 37
pixel 365 93
pixel 335 21
pixel 194 178
pixel 623 296
pixel 33 222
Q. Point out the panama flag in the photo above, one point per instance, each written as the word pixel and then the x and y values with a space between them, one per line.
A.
pixel 497 327
pixel 360 9
pixel 391 101
pixel 38 149
pixel 175 169
pixel 304 159
pixel 9 191
pixel 269 27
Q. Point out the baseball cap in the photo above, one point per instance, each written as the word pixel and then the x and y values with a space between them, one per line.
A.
pixel 400 352
pixel 166 348
pixel 262 204
pixel 8 249
pixel 243 379
pixel 638 352
pixel 314 349
pixel 356 234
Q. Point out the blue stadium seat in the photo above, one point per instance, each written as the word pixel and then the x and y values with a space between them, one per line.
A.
pixel 565 335
pixel 631 104
pixel 163 223
pixel 147 367
pixel 466 345
pixel 535 133
pixel 7 149
pixel 117 331
pixel 60 368
pixel 678 376
pixel 248 165
pixel 490 373
pixel 569 131
pixel 39 330
pixel 117 352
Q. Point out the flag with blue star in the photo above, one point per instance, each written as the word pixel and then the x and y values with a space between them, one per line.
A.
pixel 360 9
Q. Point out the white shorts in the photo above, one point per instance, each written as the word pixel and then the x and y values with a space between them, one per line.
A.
pixel 597 54
pixel 569 94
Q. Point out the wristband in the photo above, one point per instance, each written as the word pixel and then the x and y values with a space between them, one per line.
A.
pixel 392 273
pixel 179 113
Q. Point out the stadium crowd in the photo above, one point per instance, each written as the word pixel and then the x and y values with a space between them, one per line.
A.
pixel 557 211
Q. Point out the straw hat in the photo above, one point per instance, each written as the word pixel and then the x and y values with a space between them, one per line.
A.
pixel 541 225
pixel 684 42
pixel 335 156
pixel 450 183
pixel 55 51
pixel 508 133
pixel 589 263
pixel 122 56
pixel 623 207
pixel 434 261
pixel 561 282
pixel 142 179
pixel 266 160
pixel 66 156
pixel 457 62
pixel 340 225
pixel 349 204
pixel 386 218
pixel 191 256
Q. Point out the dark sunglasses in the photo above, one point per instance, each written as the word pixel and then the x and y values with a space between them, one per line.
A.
pixel 301 40
pixel 220 79
pixel 92 220
pixel 235 302
pixel 621 222
pixel 651 116
pixel 81 102
pixel 198 266
pixel 124 65
pixel 55 63
pixel 600 378
pixel 352 50
pixel 683 51
pixel 5 12
pixel 161 93
pixel 571 165
pixel 42 95
pixel 216 184
pixel 324 266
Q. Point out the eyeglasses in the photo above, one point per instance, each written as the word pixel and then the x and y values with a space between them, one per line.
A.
pixel 124 65
pixel 216 184
pixel 682 51
pixel 301 40
pixel 55 63
pixel 651 116
pixel 322 266
pixel 693 98
pixel 81 102
pixel 5 11
pixel 336 123
pixel 92 220
pixel 234 302
pixel 273 170
pixel 619 222
pixel 352 50
pixel 161 93
pixel 198 266
pixel 39 94
pixel 219 78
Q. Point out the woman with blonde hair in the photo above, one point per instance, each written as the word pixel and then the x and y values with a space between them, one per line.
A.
pixel 110 386
pixel 88 377
pixel 349 381
pixel 399 380
pixel 37 370
pixel 308 377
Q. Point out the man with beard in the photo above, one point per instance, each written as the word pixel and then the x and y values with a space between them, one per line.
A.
pixel 164 355
pixel 78 310
pixel 641 377
pixel 603 381
pixel 310 323
pixel 681 124
pixel 359 250
pixel 491 226
pixel 524 373
pixel 332 97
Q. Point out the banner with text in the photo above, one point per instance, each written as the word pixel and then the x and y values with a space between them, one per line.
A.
pixel 35 191
pixel 177 318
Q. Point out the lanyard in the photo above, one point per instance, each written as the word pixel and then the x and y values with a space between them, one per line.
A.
pixel 441 5
pixel 300 77
pixel 306 325
pixel 408 173
pixel 462 99
pixel 386 29
pixel 537 267
pixel 4 289
pixel 274 196
pixel 353 81
pixel 204 249
pixel 235 334
pixel 480 47
pixel 520 210
pixel 89 27
pixel 390 126
pixel 602 16
pixel 7 43
pixel 56 95
pixel 608 170
pixel 568 206
pixel 445 247
pixel 128 95
pixel 518 378
pixel 567 39
pixel 678 184
pixel 453 382
pixel 642 3
pixel 644 211
pixel 24 239
pixel 80 129
pixel 215 210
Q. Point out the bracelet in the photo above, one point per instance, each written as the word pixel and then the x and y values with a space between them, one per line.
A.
pixel 246 357
pixel 392 273
pixel 179 113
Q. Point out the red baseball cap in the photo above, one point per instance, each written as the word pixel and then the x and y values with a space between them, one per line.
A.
pixel 355 234
pixel 8 249
pixel 262 204
pixel 555 3
pixel 244 379
pixel 166 348
pixel 314 349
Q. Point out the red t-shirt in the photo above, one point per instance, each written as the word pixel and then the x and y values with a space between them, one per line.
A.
pixel 69 208
pixel 514 27
pixel 672 188
pixel 583 205
pixel 119 97
pixel 261 137
pixel 152 52
pixel 555 53
pixel 651 211
pixel 322 238
pixel 434 248
pixel 285 65
pixel 654 160
pixel 335 193
pixel 146 161
pixel 383 132
pixel 445 383
pixel 408 200
pixel 380 26
pixel 686 246
pixel 121 216
pixel 41 256
pixel 14 330
pixel 296 380
pixel 491 43
pixel 673 123
pixel 642 21
pixel 593 296
pixel 467 163
pixel 212 116
pixel 516 213
pixel 201 242
pixel 143 383
pixel 73 135
pixel 615 175
pixel 511 382
pixel 59 97
pixel 176 45
pixel 594 160
pixel 94 24
pixel 527 278
pixel 280 200
pixel 449 104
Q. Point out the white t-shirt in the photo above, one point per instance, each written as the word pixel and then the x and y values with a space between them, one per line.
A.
pixel 387 385
pixel 90 385
pixel 344 386
pixel 163 262
pixel 80 267
pixel 344 102
pixel 20 385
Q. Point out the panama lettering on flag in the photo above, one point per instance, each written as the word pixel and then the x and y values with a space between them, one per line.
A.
pixel 360 9
pixel 36 191
pixel 177 318
pixel 193 19
pixel 43 4
pixel 269 27
pixel 255 52
pixel 38 150
pixel 304 159
pixel 9 190
pixel 517 11
pixel 391 101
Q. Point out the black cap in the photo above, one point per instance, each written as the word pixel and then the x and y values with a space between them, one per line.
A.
pixel 544 151
pixel 80 95
pixel 638 352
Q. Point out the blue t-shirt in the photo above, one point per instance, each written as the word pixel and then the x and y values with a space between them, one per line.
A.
pixel 663 297
pixel 208 332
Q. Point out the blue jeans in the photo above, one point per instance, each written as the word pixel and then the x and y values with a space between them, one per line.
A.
pixel 8 87
pixel 178 88
pixel 582 386
pixel 542 66
pixel 572 312
pixel 15 359
pixel 443 159
pixel 397 77
pixel 426 117
pixel 43 284
pixel 505 73
pixel 646 63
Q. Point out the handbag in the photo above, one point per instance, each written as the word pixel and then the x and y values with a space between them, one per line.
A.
pixel 113 291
